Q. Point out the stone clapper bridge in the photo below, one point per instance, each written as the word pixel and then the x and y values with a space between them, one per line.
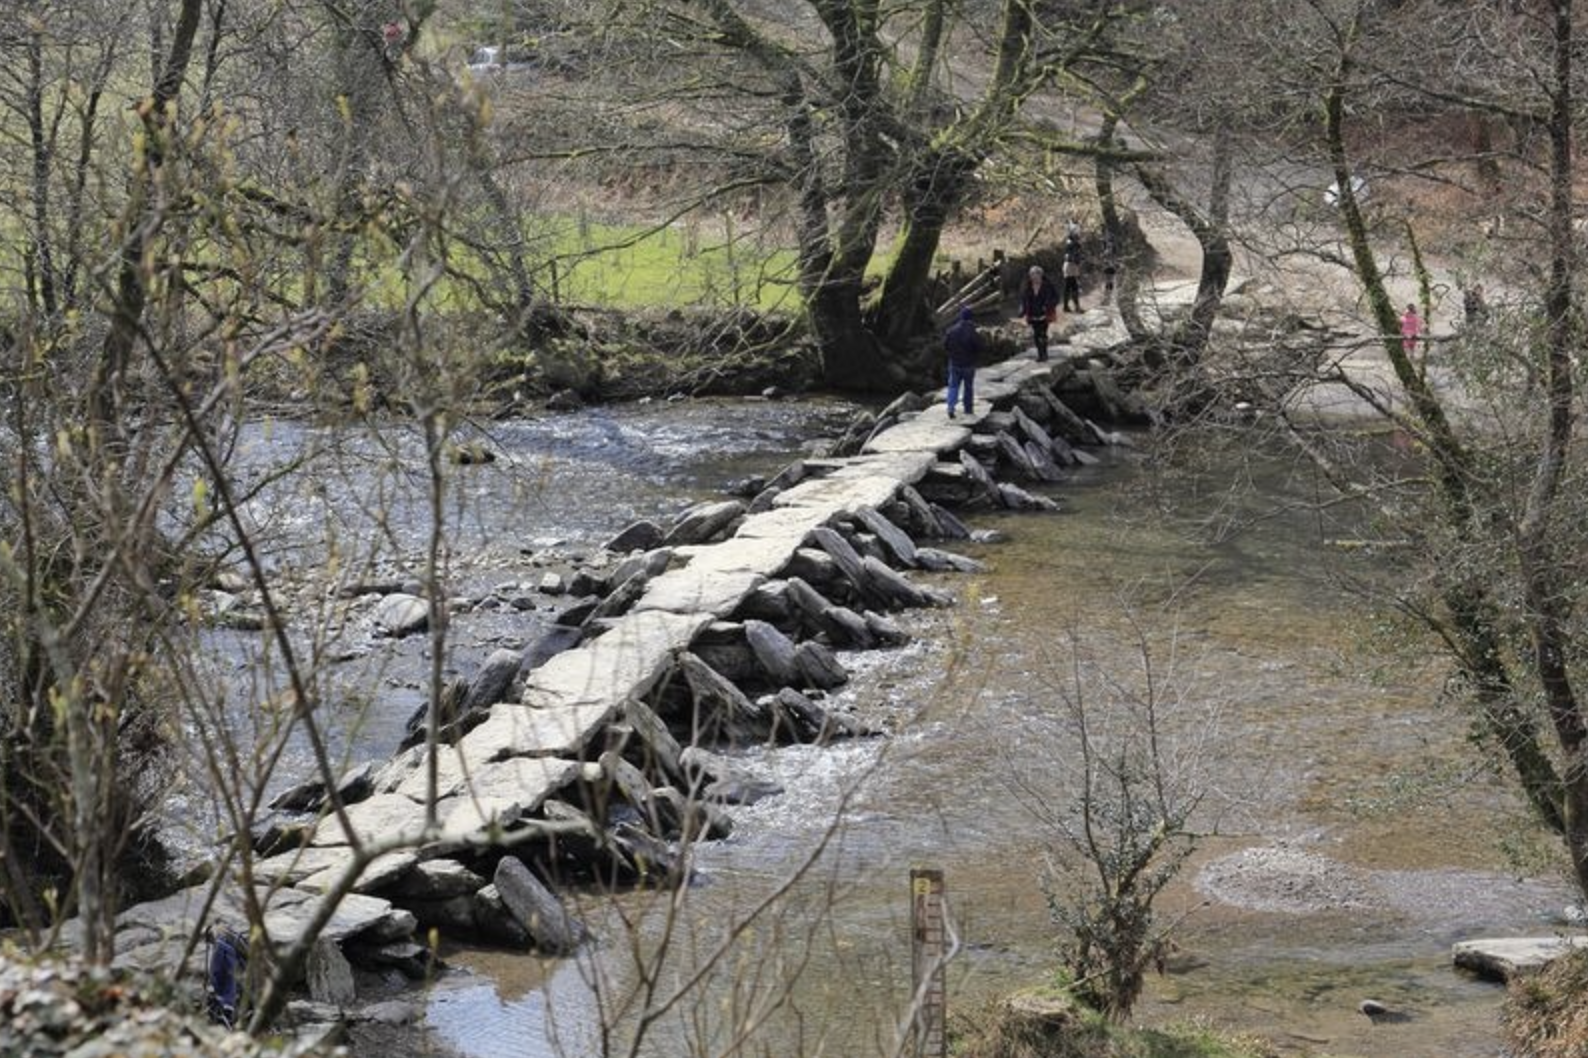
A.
pixel 601 769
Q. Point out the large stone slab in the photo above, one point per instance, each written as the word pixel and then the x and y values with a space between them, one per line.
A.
pixel 529 779
pixel 753 554
pixel 1011 371
pixel 469 820
pixel 701 523
pixel 384 817
pixel 905 467
pixel 318 867
pixel 290 868
pixel 777 524
pixel 328 975
pixel 924 433
pixel 624 662
pixel 158 957
pixel 526 731
pixel 287 913
pixel 380 872
pixel 697 590
pixel 1503 958
pixel 537 908
pixel 439 880
pixel 841 494
pixel 996 389
pixel 450 771
pixel 290 913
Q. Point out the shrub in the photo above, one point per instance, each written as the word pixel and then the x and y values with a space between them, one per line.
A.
pixel 1546 1014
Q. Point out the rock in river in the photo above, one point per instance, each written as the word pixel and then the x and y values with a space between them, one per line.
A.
pixel 400 615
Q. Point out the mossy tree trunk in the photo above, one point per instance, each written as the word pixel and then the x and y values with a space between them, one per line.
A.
pixel 1502 649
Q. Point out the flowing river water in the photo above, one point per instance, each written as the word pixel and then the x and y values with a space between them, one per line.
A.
pixel 1349 834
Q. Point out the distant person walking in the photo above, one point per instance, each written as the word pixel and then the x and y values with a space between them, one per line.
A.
pixel 1474 307
pixel 963 343
pixel 1110 268
pixel 1039 306
pixel 1411 330
pixel 1072 283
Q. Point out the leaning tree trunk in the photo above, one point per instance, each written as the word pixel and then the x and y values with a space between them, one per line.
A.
pixel 361 77
pixel 1475 629
pixel 1187 344
pixel 852 358
pixel 1192 338
pixel 1132 252
pixel 1546 581
pixel 902 310
pixel 941 179
pixel 829 280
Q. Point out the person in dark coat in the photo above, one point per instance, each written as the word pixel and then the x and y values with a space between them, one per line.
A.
pixel 1476 309
pixel 1039 306
pixel 1110 268
pixel 1072 283
pixel 228 962
pixel 963 342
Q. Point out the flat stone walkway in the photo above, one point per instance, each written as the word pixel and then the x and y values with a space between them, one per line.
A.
pixel 526 751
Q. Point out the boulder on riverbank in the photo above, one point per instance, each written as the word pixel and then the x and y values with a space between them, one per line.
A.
pixel 50 1007
pixel 537 909
pixel 1506 958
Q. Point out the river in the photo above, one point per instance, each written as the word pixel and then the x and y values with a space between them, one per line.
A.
pixel 1307 718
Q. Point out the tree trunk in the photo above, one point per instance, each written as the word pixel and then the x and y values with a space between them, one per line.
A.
pixel 1189 341
pixel 131 293
pixel 361 73
pixel 1547 586
pixel 1475 631
pixel 40 250
pixel 830 281
pixel 941 177
pixel 852 358
pixel 1129 244
pixel 91 729
pixel 902 309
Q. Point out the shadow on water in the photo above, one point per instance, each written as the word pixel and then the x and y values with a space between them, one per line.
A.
pixel 1350 838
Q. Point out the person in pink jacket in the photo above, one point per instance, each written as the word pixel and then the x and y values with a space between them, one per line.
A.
pixel 1411 329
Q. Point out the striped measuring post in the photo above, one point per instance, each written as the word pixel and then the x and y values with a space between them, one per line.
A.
pixel 929 951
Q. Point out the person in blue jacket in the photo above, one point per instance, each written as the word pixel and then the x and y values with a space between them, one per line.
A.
pixel 963 342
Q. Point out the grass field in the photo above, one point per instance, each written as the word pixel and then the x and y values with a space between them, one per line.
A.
pixel 632 268
pixel 615 267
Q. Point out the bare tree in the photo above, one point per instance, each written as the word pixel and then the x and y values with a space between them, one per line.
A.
pixel 137 327
pixel 840 126
pixel 1484 484
pixel 1120 820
